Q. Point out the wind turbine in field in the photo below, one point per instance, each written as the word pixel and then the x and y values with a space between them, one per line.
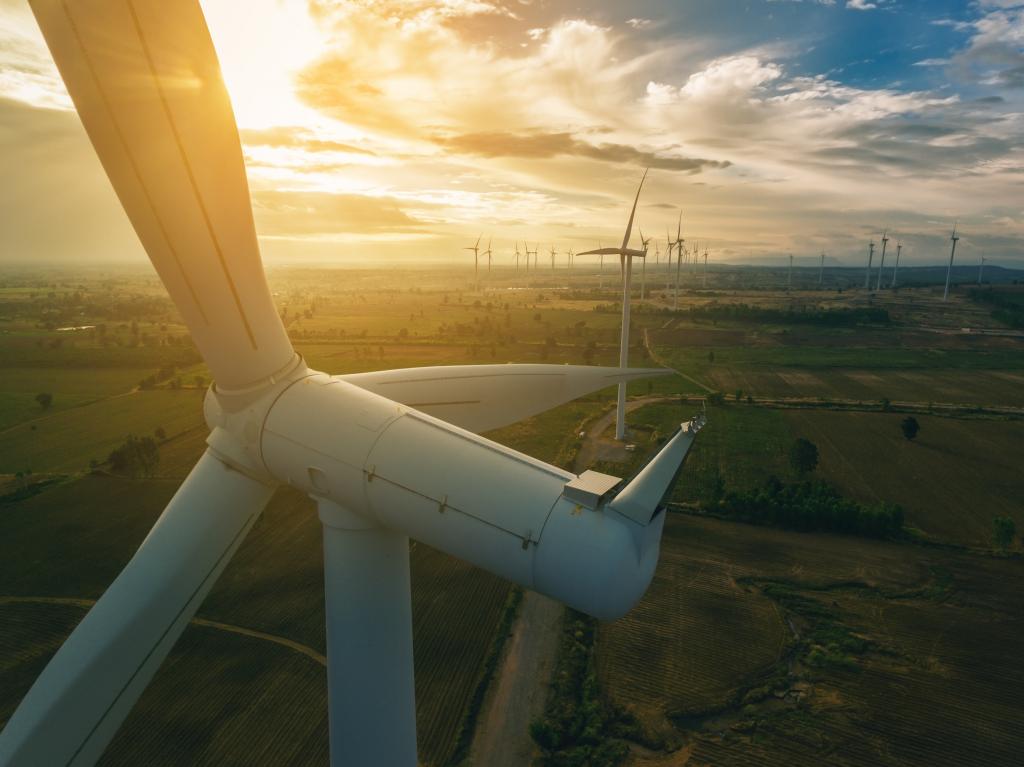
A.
pixel 821 269
pixel 899 249
pixel 949 270
pixel 789 280
pixel 881 262
pixel 476 262
pixel 679 258
pixel 553 251
pixel 871 257
pixel 705 267
pixel 517 255
pixel 534 252
pixel 379 469
pixel 643 265
pixel 981 268
pixel 488 254
pixel 626 256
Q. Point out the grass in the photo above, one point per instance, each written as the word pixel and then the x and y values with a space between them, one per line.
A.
pixel 952 480
pixel 66 441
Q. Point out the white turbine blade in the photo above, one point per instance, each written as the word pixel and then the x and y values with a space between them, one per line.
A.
pixel 484 397
pixel 640 499
pixel 78 702
pixel 146 83
pixel 634 253
pixel 632 213
pixel 601 252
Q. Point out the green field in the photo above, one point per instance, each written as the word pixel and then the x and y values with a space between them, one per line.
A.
pixel 757 646
pixel 953 479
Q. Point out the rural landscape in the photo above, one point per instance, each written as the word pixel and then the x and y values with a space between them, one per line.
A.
pixel 803 611
pixel 511 383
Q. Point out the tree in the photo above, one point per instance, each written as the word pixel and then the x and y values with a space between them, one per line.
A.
pixel 910 427
pixel 803 456
pixel 45 399
pixel 1003 530
pixel 137 457
pixel 739 394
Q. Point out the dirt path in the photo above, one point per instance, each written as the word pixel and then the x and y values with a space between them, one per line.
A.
pixel 86 604
pixel 518 692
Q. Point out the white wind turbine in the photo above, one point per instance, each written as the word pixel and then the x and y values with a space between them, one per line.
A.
pixel 706 267
pixel 626 256
pixel 981 268
pixel 949 270
pixel 476 262
pixel 643 265
pixel 821 269
pixel 899 249
pixel 871 257
pixel 488 254
pixel 531 252
pixel 517 255
pixel 553 251
pixel 881 261
pixel 379 470
pixel 679 258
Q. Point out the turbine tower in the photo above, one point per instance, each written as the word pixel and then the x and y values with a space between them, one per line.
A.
pixel 488 254
pixel 981 268
pixel 949 270
pixel 553 257
pixel 679 259
pixel 881 262
pixel 899 249
pixel 379 469
pixel 871 257
pixel 821 269
pixel 476 262
pixel 706 268
pixel 626 256
pixel 517 255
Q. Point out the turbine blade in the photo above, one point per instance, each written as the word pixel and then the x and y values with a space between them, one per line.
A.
pixel 601 252
pixel 484 397
pixel 145 80
pixel 632 213
pixel 77 704
pixel 640 499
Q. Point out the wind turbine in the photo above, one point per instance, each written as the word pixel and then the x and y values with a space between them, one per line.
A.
pixel 488 254
pixel 626 256
pixel 821 269
pixel 789 285
pixel 981 268
pixel 517 255
pixel 643 265
pixel 706 268
pixel 949 270
pixel 534 252
pixel 553 258
pixel 679 259
pixel 871 257
pixel 881 263
pixel 899 248
pixel 379 469
pixel 476 262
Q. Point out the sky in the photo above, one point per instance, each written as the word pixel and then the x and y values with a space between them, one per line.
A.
pixel 398 131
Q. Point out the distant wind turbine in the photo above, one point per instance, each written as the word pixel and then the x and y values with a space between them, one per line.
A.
pixel 981 268
pixel 643 265
pixel 679 259
pixel 706 267
pixel 553 258
pixel 488 254
pixel 476 262
pixel 517 255
pixel 949 270
pixel 871 257
pixel 899 248
pixel 821 269
pixel 881 263
pixel 626 256
pixel 789 285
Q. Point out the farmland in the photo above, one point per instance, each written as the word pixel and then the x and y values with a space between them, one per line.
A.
pixel 753 645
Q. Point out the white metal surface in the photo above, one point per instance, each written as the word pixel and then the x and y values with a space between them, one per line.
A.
pixel 145 81
pixel 484 397
pixel 370 686
pixel 85 692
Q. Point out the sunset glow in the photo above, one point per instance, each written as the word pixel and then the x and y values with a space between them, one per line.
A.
pixel 774 127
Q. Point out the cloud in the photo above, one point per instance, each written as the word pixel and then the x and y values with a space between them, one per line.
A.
pixel 994 55
pixel 540 145
pixel 300 214
pixel 860 5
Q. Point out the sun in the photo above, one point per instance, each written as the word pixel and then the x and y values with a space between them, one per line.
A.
pixel 262 45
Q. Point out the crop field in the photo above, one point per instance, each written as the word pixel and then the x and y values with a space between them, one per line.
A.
pixel 67 441
pixel 953 479
pixel 834 649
